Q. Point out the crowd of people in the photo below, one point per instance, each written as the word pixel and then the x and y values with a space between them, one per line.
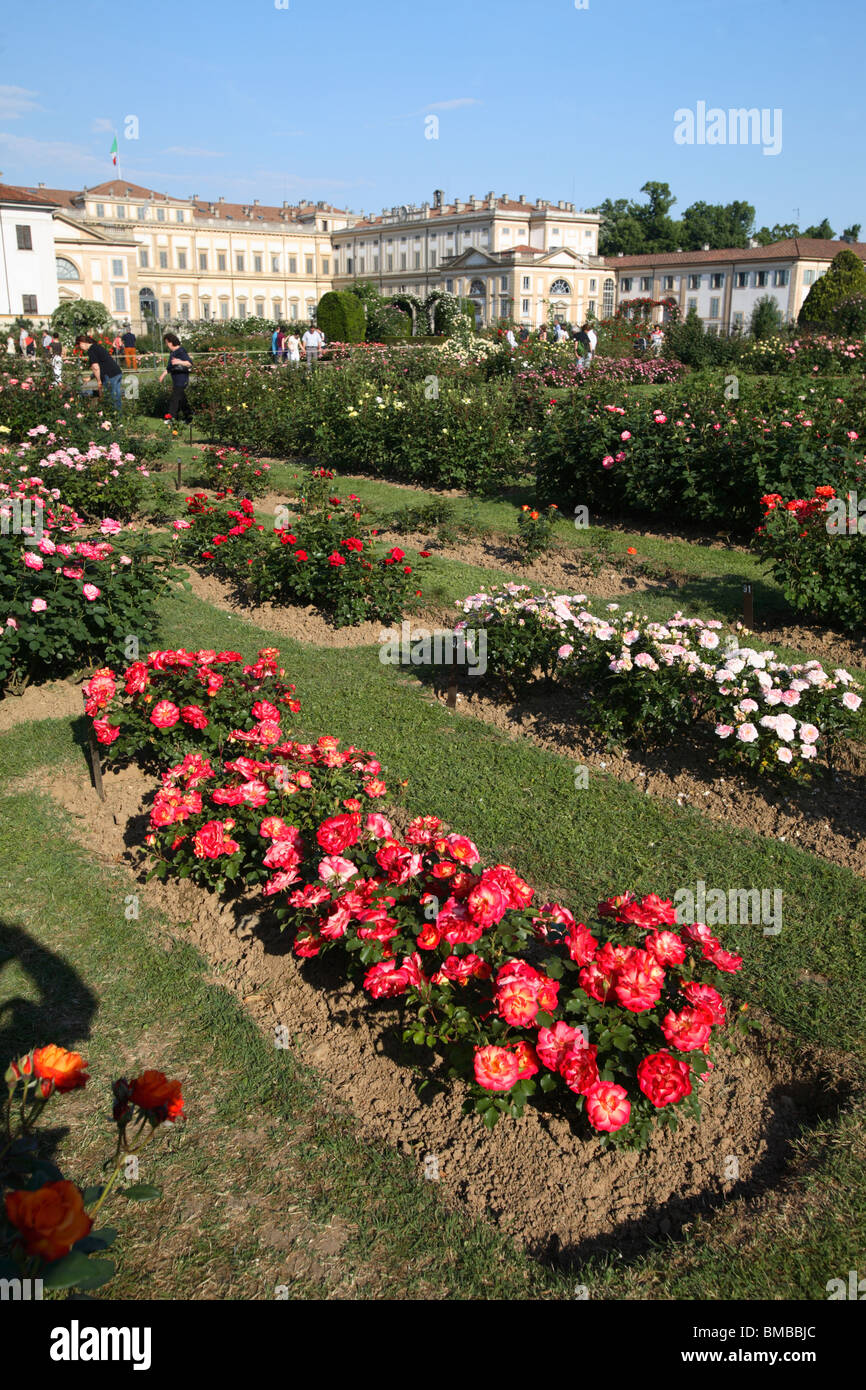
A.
pixel 287 347
pixel 585 339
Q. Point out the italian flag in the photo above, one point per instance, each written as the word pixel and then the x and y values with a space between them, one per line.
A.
pixel 114 150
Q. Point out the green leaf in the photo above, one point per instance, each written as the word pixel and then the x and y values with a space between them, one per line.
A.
pixel 96 1240
pixel 93 1193
pixel 141 1192
pixel 548 1082
pixel 77 1271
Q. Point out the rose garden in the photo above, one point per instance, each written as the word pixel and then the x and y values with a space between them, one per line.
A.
pixel 400 765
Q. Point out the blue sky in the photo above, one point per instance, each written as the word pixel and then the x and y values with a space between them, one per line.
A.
pixel 329 99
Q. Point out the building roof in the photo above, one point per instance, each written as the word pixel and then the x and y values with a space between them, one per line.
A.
pixel 9 193
pixel 795 248
pixel 262 212
pixel 482 205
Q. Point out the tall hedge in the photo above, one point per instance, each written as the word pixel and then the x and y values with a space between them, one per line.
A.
pixel 340 316
pixel 845 278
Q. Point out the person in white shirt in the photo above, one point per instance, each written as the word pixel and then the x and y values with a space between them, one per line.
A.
pixel 657 338
pixel 510 338
pixel 592 338
pixel 312 340
pixel 46 339
pixel 293 348
pixel 22 341
pixel 10 345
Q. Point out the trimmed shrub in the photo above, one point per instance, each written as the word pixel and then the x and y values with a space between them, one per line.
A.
pixel 846 277
pixel 340 316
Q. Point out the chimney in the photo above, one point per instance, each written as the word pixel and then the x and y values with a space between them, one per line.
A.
pixel 561 205
pixel 706 246
pixel 255 202
pixel 220 200
pixel 211 209
pixel 522 198
pixel 41 185
pixel 438 196
pixel 620 253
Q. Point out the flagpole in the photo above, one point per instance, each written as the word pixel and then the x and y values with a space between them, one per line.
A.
pixel 117 144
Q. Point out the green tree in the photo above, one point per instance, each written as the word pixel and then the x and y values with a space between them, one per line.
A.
pixel 823 230
pixel 766 318
pixel 620 229
pixel 852 233
pixel 716 225
pixel 845 278
pixel 340 315
pixel 79 316
pixel 662 233
pixel 780 231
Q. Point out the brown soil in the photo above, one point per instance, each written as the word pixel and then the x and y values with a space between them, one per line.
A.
pixel 827 818
pixel 54 700
pixel 539 1178
pixel 300 624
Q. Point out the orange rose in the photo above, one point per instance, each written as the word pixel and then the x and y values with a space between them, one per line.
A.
pixel 49 1220
pixel 65 1069
pixel 496 1068
pixel 159 1097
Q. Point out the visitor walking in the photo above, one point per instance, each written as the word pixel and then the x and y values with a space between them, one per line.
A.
pixel 22 341
pixel 10 345
pixel 104 369
pixel 293 349
pixel 29 346
pixel 510 339
pixel 129 353
pixel 55 353
pixel 657 339
pixel 592 344
pixel 46 340
pixel 276 343
pixel 178 368
pixel 313 340
pixel 583 348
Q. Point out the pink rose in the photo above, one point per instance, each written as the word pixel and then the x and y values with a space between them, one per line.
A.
pixel 38 605
pixel 91 592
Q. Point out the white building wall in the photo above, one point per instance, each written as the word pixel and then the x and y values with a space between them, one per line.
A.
pixel 31 272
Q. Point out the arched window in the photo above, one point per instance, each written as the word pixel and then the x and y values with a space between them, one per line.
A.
pixel 560 287
pixel 607 300
pixel 147 303
pixel 67 270
pixel 478 288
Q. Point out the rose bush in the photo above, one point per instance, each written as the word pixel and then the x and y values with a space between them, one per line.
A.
pixel 68 596
pixel 323 555
pixel 633 679
pixel 815 548
pixel 698 455
pixel 178 703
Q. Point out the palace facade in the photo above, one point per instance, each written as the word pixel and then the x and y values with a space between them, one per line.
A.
pixel 148 255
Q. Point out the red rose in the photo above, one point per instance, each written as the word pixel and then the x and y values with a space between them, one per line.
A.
pixel 164 714
pixel 607 1106
pixel 663 1079
pixel 195 716
pixel 496 1068
pixel 689 1029
pixel 339 832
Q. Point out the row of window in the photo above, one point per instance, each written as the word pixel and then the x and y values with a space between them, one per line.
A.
pixel 240 262
pixel 141 213
pixel 224 310
pixel 742 280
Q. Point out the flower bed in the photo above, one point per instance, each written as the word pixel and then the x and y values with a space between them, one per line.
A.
pixel 639 680
pixel 700 457
pixel 515 996
pixel 323 555
pixel 99 481
pixel 234 470
pixel 67 596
